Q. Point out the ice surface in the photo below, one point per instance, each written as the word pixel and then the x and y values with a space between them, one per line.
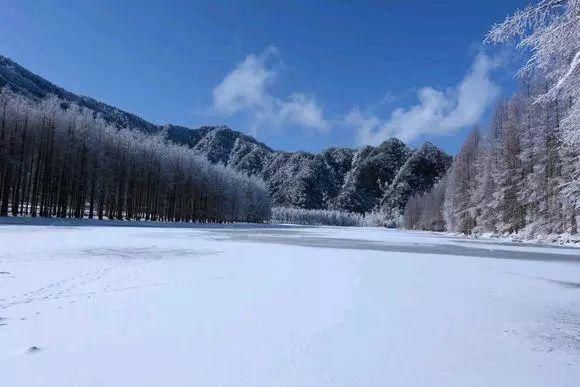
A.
pixel 283 306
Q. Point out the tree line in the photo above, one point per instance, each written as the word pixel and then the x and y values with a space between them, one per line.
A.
pixel 514 179
pixel 291 215
pixel 523 176
pixel 60 160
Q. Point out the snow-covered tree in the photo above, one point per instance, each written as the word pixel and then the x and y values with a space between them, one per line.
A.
pixel 425 211
pixel 550 31
pixel 462 186
pixel 289 215
pixel 60 160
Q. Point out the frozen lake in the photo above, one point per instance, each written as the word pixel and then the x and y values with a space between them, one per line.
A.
pixel 283 306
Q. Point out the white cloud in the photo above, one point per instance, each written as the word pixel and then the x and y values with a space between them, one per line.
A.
pixel 438 112
pixel 365 123
pixel 246 89
pixel 303 109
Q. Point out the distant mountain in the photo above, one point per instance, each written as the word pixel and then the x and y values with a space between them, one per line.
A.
pixel 338 178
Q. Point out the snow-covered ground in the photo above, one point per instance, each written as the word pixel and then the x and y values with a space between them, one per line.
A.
pixel 283 306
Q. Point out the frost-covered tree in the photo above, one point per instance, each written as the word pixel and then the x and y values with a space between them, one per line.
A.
pixel 523 177
pixel 462 188
pixel 512 180
pixel 425 211
pixel 291 215
pixel 61 160
pixel 288 215
pixel 550 31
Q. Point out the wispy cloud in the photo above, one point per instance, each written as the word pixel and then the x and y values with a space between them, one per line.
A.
pixel 247 89
pixel 438 112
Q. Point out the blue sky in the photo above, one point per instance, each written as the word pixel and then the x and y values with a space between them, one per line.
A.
pixel 299 75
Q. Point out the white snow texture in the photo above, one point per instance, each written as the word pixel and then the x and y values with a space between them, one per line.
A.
pixel 283 306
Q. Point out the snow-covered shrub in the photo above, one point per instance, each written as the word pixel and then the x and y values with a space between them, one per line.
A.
pixel 287 215
pixel 377 218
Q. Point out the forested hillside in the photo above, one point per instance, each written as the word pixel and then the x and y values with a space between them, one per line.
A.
pixel 354 180
pixel 523 176
pixel 58 159
pixel 415 176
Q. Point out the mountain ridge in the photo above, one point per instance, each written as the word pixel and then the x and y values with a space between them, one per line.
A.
pixel 352 179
